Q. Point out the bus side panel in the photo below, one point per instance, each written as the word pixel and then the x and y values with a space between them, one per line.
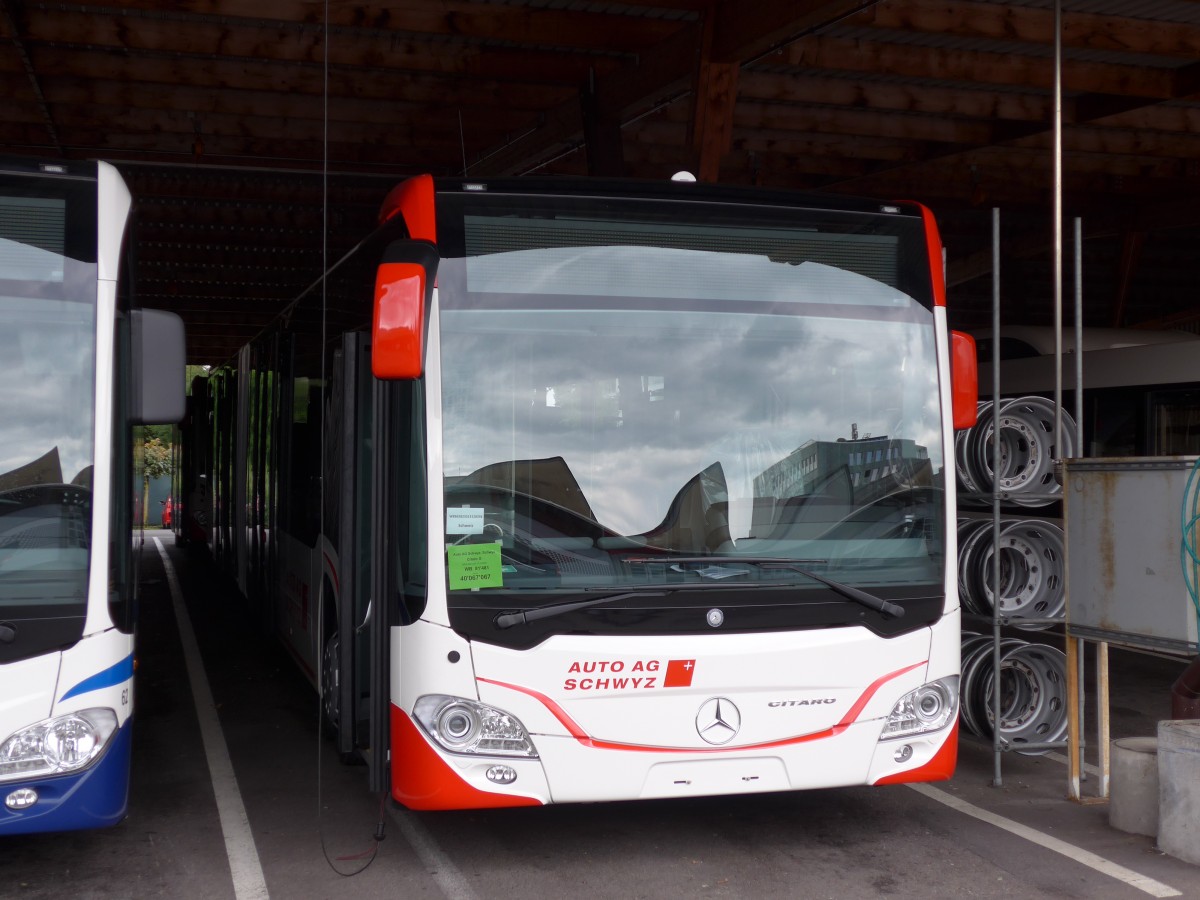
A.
pixel 300 568
pixel 98 671
pixel 28 692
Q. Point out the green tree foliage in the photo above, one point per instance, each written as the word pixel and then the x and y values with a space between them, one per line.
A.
pixel 156 462
pixel 160 433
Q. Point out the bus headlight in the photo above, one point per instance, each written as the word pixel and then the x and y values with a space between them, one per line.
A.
pixel 57 746
pixel 930 707
pixel 464 726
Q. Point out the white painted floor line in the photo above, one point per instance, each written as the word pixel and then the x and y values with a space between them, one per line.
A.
pixel 1066 761
pixel 1078 854
pixel 248 880
pixel 451 882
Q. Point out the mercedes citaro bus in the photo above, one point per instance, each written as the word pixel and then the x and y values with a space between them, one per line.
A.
pixel 576 490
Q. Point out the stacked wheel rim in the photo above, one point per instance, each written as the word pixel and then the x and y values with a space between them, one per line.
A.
pixel 1025 451
pixel 1032 570
pixel 1033 693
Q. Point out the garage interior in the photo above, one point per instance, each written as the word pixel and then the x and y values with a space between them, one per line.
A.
pixel 258 139
pixel 229 119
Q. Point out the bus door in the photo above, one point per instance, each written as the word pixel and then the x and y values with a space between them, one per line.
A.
pixel 362 618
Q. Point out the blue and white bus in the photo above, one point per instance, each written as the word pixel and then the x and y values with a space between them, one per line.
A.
pixel 82 367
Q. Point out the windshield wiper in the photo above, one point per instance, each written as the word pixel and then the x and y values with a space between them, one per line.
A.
pixel 525 616
pixel 771 562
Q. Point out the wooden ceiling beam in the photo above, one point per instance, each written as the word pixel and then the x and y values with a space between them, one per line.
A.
pixel 393 151
pixel 354 65
pixel 1026 244
pixel 1075 139
pixel 1004 22
pixel 251 30
pixel 601 132
pixel 861 56
pixel 714 95
pixel 873 164
pixel 389 123
pixel 17 41
pixel 811 145
pixel 860 93
pixel 373 101
pixel 961 135
pixel 739 37
pixel 665 71
pixel 964 103
pixel 263 76
pixel 952 132
pixel 1132 242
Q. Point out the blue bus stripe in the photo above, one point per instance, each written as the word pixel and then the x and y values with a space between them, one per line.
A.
pixel 111 676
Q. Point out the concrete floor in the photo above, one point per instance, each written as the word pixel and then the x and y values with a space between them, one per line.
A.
pixel 312 822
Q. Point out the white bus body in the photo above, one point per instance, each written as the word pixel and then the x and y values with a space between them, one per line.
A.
pixel 648 497
pixel 67 597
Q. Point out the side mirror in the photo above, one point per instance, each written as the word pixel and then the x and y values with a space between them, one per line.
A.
pixel 158 380
pixel 964 379
pixel 403 292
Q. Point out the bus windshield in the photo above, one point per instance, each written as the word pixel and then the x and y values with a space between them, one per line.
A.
pixel 47 302
pixel 626 398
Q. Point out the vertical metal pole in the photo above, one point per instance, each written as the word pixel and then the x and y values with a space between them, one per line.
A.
pixel 1102 717
pixel 1079 448
pixel 1073 759
pixel 997 776
pixel 1102 685
pixel 1057 227
pixel 1101 721
pixel 1081 728
pixel 1074 656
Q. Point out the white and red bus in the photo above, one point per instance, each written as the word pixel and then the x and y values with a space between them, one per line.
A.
pixel 579 490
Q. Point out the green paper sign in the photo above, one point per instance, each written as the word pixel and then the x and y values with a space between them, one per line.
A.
pixel 474 566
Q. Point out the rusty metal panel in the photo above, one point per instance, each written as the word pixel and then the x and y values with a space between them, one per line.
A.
pixel 1125 581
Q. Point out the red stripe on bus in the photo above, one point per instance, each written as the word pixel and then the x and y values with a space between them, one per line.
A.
pixel 413 199
pixel 421 779
pixel 940 768
pixel 937 265
pixel 333 575
pixel 933 245
pixel 577 732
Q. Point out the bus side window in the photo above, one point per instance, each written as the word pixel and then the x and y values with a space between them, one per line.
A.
pixel 1114 422
pixel 1174 423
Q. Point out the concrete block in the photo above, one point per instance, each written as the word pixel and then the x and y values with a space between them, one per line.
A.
pixel 1179 789
pixel 1133 789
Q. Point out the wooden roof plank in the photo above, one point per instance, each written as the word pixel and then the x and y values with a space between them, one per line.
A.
pixel 973 67
pixel 244 30
pixel 666 69
pixel 1004 22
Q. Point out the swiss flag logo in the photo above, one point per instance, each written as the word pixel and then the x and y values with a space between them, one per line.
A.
pixel 679 673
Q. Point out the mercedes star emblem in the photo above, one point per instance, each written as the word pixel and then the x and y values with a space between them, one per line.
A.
pixel 718 720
